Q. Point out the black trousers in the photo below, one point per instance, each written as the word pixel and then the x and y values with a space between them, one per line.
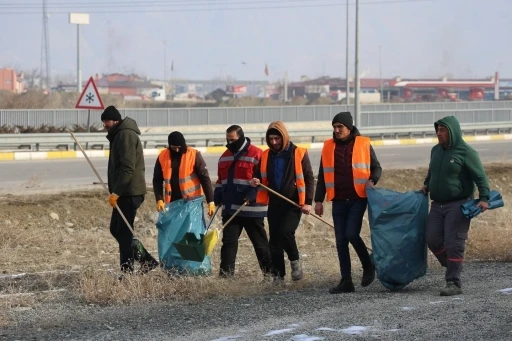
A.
pixel 283 221
pixel 121 232
pixel 255 229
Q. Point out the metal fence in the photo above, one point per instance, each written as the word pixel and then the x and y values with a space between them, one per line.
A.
pixel 372 115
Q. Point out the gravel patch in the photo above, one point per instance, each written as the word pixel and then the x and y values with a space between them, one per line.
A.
pixel 415 313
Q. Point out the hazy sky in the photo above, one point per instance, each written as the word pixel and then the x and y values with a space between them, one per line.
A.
pixel 468 38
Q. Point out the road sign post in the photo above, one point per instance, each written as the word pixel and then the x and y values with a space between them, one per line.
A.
pixel 90 99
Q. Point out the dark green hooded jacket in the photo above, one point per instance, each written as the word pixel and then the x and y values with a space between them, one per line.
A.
pixel 454 171
pixel 126 169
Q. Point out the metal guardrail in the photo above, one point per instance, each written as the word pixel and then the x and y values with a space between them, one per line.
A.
pixel 64 141
pixel 371 114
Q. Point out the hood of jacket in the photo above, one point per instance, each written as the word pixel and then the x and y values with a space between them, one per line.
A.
pixel 453 126
pixel 126 124
pixel 281 128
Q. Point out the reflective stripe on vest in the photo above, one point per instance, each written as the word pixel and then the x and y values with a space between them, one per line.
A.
pixel 189 183
pixel 360 165
pixel 242 174
pixel 299 176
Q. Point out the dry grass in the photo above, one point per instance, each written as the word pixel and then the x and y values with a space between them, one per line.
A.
pixel 80 246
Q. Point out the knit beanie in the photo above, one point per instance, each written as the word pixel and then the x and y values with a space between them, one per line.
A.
pixel 345 118
pixel 177 139
pixel 111 113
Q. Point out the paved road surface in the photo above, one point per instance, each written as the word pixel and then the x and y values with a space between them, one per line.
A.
pixel 38 175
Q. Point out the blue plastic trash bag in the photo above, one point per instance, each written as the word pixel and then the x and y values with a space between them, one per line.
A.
pixel 179 218
pixel 470 210
pixel 398 222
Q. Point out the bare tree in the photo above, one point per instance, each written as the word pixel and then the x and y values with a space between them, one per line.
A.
pixel 32 78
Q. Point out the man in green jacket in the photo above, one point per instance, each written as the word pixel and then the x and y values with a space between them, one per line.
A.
pixel 126 183
pixel 454 170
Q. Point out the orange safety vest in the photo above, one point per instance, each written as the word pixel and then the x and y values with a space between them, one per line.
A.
pixel 190 185
pixel 360 165
pixel 299 176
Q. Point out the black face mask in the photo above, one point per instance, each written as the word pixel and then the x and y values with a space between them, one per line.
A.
pixel 235 146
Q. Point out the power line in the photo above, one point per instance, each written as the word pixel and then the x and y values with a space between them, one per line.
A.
pixel 209 8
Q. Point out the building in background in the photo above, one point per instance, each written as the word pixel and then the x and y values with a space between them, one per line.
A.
pixel 11 81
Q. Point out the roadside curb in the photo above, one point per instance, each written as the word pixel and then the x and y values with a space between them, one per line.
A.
pixel 55 155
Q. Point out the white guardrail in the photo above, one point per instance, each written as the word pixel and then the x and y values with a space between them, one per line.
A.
pixel 63 141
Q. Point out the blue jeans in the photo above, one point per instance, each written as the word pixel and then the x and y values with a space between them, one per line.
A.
pixel 348 220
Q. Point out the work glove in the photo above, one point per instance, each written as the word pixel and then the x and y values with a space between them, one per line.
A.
pixel 112 199
pixel 211 209
pixel 160 206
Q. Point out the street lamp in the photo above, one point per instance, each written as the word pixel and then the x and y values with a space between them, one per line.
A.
pixel 357 85
pixel 380 75
pixel 346 58
pixel 165 70
pixel 78 19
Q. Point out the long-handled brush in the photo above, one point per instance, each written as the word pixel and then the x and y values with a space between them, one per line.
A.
pixel 139 250
pixel 297 205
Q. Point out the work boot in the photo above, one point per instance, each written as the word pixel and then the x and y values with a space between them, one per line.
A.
pixel 451 289
pixel 296 270
pixel 368 275
pixel 345 285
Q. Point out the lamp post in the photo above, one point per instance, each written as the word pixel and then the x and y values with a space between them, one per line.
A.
pixel 380 75
pixel 346 58
pixel 78 19
pixel 357 85
pixel 165 70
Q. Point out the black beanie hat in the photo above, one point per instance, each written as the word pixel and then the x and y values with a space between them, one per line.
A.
pixel 274 131
pixel 177 139
pixel 345 118
pixel 111 113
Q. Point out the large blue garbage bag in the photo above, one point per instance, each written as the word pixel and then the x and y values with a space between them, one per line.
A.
pixel 398 222
pixel 470 210
pixel 179 218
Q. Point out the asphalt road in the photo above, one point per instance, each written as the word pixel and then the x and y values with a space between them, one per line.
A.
pixel 41 175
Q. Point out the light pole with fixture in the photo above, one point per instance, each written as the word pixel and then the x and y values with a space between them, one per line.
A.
pixel 78 19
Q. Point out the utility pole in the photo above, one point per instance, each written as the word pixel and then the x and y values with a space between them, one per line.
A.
pixel 286 86
pixel 165 70
pixel 346 58
pixel 380 75
pixel 357 85
pixel 45 70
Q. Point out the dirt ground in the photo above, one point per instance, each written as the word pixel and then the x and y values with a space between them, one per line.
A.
pixel 61 242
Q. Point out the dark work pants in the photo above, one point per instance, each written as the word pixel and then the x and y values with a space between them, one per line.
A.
pixel 121 232
pixel 283 221
pixel 348 220
pixel 447 232
pixel 255 229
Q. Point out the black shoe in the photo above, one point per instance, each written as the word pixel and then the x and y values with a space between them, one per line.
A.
pixel 345 285
pixel 368 276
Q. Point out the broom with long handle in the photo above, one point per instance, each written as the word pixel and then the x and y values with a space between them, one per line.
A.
pixel 136 243
pixel 297 205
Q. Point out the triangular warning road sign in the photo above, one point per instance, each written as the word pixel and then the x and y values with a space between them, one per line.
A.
pixel 90 97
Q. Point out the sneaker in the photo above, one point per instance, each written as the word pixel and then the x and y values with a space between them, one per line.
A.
pixel 451 289
pixel 345 285
pixel 296 270
pixel 368 276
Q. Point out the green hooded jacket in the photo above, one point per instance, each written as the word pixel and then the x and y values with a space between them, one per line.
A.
pixel 126 169
pixel 454 171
